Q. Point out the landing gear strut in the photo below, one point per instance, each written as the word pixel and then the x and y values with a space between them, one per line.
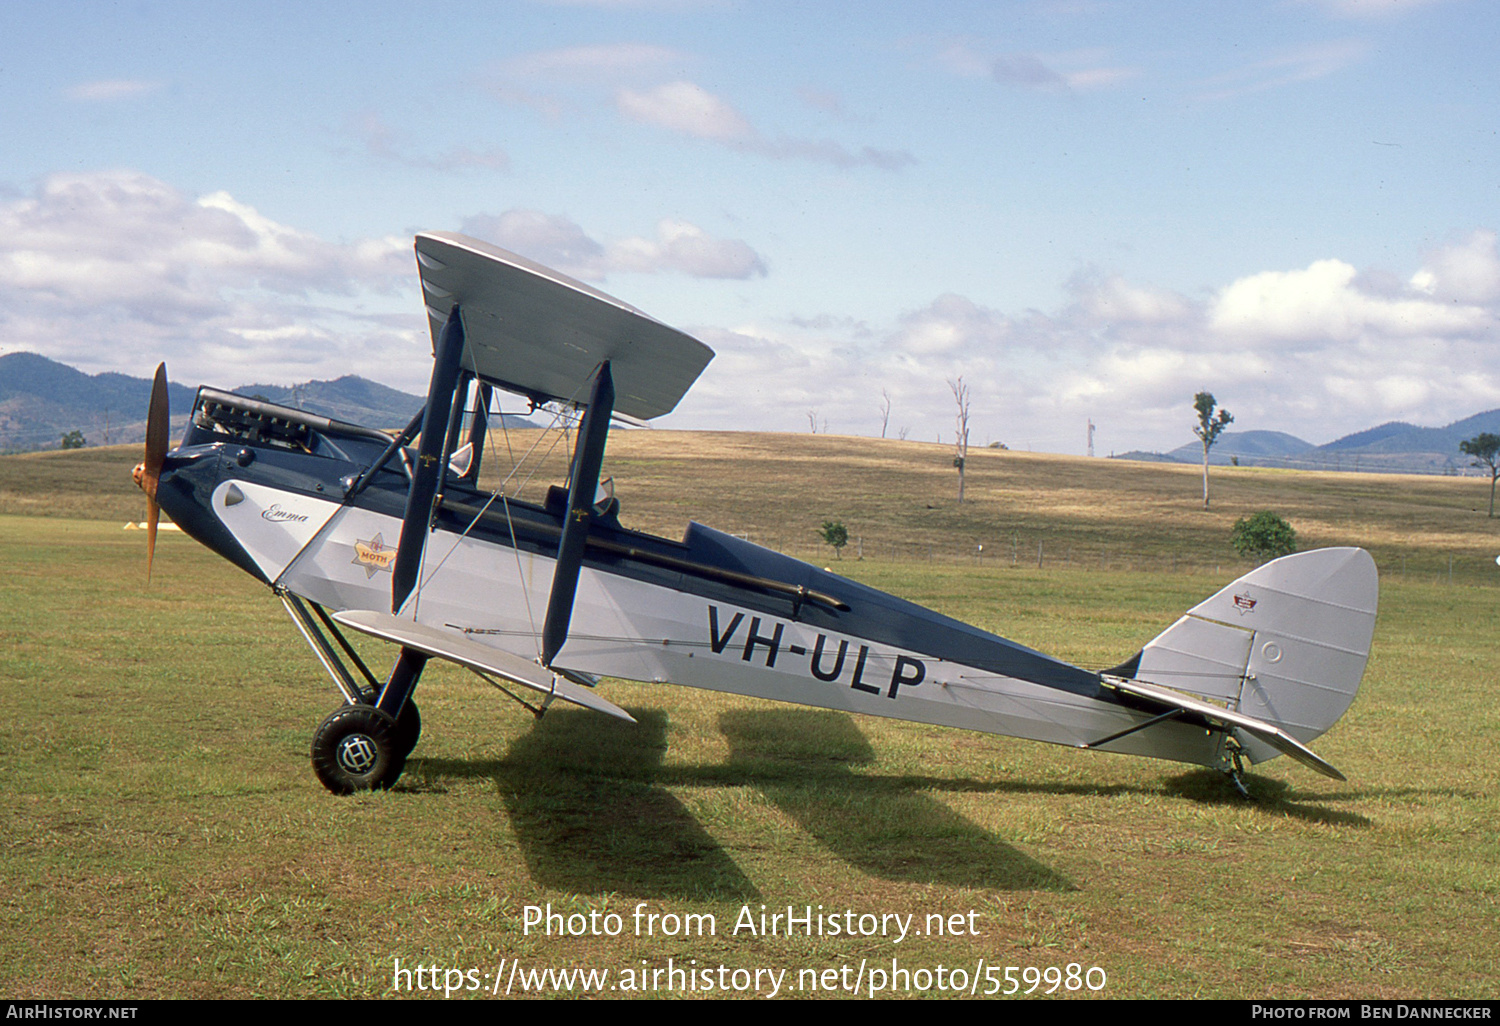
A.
pixel 363 744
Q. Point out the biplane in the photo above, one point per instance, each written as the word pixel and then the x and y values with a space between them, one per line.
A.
pixel 363 532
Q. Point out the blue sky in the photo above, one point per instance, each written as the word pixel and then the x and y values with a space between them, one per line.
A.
pixel 1087 209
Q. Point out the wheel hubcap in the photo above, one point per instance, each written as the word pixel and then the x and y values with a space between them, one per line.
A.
pixel 356 753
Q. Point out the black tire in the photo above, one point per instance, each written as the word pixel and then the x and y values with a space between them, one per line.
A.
pixel 356 749
pixel 408 724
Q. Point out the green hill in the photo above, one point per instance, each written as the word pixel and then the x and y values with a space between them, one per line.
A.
pixel 41 400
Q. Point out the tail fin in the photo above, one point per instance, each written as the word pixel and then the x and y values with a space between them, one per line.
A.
pixel 1283 646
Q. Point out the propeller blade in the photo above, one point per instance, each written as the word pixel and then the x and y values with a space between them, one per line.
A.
pixel 153 514
pixel 157 428
pixel 158 418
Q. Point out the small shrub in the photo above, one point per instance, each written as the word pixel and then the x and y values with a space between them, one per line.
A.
pixel 1263 536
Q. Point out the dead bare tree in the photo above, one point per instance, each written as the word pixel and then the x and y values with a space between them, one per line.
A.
pixel 885 411
pixel 961 423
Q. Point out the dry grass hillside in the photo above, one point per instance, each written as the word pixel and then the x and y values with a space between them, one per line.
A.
pixel 898 501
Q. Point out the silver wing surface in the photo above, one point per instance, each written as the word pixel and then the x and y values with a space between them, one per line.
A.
pixel 531 330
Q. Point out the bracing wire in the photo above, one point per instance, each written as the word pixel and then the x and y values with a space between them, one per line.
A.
pixel 560 415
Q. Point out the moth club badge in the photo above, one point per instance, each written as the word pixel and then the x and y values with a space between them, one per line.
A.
pixel 373 555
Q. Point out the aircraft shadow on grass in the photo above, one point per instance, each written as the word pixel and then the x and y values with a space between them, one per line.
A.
pixel 585 799
pixel 1276 797
pixel 589 801
pixel 588 798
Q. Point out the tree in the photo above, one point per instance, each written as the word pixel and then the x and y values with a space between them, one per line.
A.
pixel 1208 430
pixel 1263 536
pixel 835 534
pixel 1485 449
pixel 73 440
pixel 885 411
pixel 961 442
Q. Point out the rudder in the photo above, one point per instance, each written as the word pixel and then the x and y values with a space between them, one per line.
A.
pixel 1286 643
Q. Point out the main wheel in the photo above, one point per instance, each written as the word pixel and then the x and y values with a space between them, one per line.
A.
pixel 408 724
pixel 357 749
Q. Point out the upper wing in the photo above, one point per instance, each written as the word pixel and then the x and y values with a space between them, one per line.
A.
pixel 531 330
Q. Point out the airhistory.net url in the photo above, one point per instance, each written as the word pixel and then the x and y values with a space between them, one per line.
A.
pixel 512 977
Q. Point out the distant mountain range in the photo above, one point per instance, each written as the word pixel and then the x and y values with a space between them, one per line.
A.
pixel 1394 447
pixel 42 400
pixel 351 399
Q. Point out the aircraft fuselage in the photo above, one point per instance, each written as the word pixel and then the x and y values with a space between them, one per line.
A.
pixel 710 611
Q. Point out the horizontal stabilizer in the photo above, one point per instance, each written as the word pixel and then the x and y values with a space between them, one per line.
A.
pixel 456 648
pixel 1286 644
pixel 1259 729
pixel 531 330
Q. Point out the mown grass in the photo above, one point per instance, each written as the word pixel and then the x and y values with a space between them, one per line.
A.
pixel 165 837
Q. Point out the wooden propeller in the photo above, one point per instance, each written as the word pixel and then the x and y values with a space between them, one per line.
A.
pixel 147 473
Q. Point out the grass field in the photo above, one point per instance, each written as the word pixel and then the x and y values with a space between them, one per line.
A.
pixel 165 837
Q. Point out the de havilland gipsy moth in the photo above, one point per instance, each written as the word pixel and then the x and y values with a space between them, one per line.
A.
pixel 389 535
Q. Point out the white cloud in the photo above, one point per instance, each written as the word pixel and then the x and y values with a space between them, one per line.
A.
pixel 1025 70
pixel 1288 67
pixel 381 142
pixel 607 61
pixel 1088 79
pixel 1324 303
pixel 951 323
pixel 110 90
pixel 687 248
pixel 646 87
pixel 1316 352
pixel 549 239
pixel 688 109
pixel 1113 299
pixel 826 151
pixel 823 100
pixel 685 108
pixel 1066 72
pixel 114 270
pixel 962 57
pixel 1370 9
pixel 1468 272
pixel 559 242
pixel 570 79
